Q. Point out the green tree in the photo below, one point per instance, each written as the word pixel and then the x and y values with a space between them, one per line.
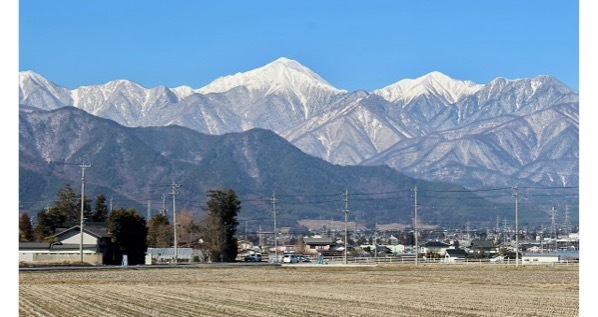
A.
pixel 25 228
pixel 67 204
pixel 129 235
pixel 66 211
pixel 100 213
pixel 47 222
pixel 159 232
pixel 219 225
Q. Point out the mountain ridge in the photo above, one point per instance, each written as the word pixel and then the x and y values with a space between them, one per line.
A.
pixel 347 128
pixel 136 166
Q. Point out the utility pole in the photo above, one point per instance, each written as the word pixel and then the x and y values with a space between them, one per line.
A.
pixel 163 205
pixel 554 233
pixel 245 229
pixel 346 212
pixel 415 225
pixel 175 188
pixel 516 226
pixel 375 241
pixel 504 231
pixel 542 239
pixel 497 225
pixel 467 230
pixel 260 236
pixel 567 225
pixel 83 167
pixel 275 231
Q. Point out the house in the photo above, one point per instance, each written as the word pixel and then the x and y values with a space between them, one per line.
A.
pixel 393 240
pixel 483 247
pixel 528 247
pixel 454 255
pixel 540 258
pixel 434 247
pixel 323 246
pixel 243 245
pixel 66 247
pixel 397 248
pixel 383 250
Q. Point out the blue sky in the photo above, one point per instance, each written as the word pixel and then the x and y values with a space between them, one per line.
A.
pixel 352 44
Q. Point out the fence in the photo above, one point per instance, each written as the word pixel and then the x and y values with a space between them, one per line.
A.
pixel 166 255
pixel 60 257
pixel 439 261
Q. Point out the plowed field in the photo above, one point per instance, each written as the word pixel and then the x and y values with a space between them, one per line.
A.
pixel 393 290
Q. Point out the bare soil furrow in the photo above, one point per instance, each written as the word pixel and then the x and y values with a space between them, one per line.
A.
pixel 399 290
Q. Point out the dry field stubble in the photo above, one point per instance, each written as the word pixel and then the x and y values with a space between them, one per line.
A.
pixel 397 290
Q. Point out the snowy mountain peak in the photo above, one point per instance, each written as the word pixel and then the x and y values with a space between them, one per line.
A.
pixel 284 62
pixel 29 76
pixel 121 84
pixel 282 73
pixel 183 91
pixel 36 91
pixel 435 83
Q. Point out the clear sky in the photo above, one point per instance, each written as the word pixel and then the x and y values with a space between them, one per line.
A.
pixel 351 44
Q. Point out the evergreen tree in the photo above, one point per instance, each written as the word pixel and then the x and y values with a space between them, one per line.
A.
pixel 66 211
pixel 67 204
pixel 219 226
pixel 159 232
pixel 129 235
pixel 100 213
pixel 25 228
pixel 47 222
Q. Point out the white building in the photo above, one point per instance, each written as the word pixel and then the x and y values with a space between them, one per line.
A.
pixel 540 258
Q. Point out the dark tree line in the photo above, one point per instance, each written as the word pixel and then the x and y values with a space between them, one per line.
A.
pixel 131 234
pixel 64 212
pixel 126 227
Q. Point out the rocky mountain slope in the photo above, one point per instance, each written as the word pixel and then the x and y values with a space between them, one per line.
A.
pixel 135 167
pixel 434 127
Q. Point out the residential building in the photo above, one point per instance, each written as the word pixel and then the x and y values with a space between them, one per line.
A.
pixel 66 247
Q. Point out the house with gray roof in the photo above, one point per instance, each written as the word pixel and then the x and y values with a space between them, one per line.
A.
pixel 454 255
pixel 483 247
pixel 66 247
pixel 323 245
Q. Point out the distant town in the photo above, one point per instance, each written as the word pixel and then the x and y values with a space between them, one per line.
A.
pixel 325 244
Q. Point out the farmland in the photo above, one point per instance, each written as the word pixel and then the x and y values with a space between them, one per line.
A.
pixel 389 290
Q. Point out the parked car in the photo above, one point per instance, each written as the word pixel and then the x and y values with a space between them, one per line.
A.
pixel 498 258
pixel 255 257
pixel 290 258
pixel 304 258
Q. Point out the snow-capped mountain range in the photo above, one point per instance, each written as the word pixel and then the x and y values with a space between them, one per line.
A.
pixel 433 127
